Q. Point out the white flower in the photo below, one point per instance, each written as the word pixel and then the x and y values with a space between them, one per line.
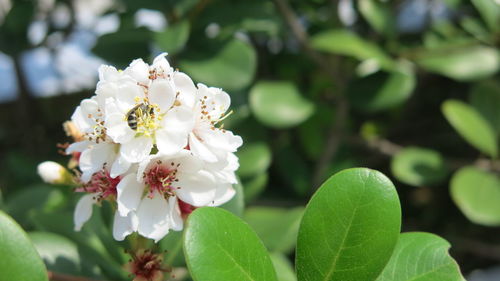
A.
pixel 164 180
pixel 148 107
pixel 207 141
pixel 102 187
pixel 54 173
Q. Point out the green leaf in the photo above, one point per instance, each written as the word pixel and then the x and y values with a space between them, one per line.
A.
pixel 350 228
pixel 38 197
pixel 94 238
pixel 230 66
pixel 279 104
pixel 381 90
pixel 255 159
pixel 471 126
pixel 173 39
pixel 485 97
pixel 255 186
pixel 58 252
pixel 477 193
pixel 462 63
pixel 283 267
pixel 237 204
pixel 378 15
pixel 220 246
pixel 277 227
pixel 20 261
pixel 419 166
pixel 123 46
pixel 490 12
pixel 172 244
pixel 343 42
pixel 423 257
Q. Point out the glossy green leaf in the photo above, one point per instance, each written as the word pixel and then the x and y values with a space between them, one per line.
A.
pixel 58 252
pixel 283 267
pixel 255 159
pixel 349 229
pixel 381 90
pixel 378 15
pixel 490 12
pixel 471 126
pixel 277 227
pixel 123 46
pixel 173 38
pixel 421 257
pixel 419 166
pixel 485 97
pixel 253 187
pixel 220 246
pixel 462 63
pixel 95 238
pixel 237 204
pixel 231 66
pixel 343 42
pixel 172 244
pixel 279 104
pixel 477 193
pixel 20 261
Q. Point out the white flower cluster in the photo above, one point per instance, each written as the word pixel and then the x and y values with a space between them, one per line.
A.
pixel 153 141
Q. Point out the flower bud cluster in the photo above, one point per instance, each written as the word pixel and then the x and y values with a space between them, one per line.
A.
pixel 153 142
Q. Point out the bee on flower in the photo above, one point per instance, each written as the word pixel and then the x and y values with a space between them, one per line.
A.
pixel 152 144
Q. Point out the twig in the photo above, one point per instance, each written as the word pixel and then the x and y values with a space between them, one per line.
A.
pixel 332 145
pixel 54 276
pixel 303 38
pixel 335 133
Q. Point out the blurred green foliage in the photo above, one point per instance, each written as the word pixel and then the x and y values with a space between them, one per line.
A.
pixel 421 105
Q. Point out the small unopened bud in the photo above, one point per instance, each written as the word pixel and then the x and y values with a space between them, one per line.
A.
pixel 54 173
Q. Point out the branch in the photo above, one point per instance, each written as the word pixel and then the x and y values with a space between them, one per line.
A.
pixel 335 133
pixel 303 38
pixel 53 276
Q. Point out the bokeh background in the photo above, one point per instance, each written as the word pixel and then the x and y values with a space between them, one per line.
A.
pixel 409 87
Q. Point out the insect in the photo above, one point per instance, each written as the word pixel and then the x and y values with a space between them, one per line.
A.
pixel 140 111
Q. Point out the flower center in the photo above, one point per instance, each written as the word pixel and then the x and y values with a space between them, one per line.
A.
pixel 144 118
pixel 101 184
pixel 160 178
pixel 98 130
pixel 146 265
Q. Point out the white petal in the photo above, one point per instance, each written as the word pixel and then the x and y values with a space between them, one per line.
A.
pixel 180 117
pixel 129 194
pixel 187 162
pixel 118 128
pixel 78 146
pixel 162 94
pixel 171 141
pixel 129 95
pixel 197 189
pixel 139 70
pixel 186 88
pixel 176 222
pixel 108 73
pixel 136 149
pixel 83 211
pixel 160 63
pixel 224 140
pixel 123 226
pixel 200 150
pixel 153 217
pixel 120 166
pixel 94 158
pixel 224 193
